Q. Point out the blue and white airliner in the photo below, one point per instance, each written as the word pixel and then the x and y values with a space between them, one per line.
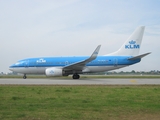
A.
pixel 128 54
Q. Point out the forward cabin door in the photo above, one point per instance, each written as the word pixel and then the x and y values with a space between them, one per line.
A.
pixel 27 63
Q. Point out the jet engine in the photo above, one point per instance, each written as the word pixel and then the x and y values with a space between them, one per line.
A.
pixel 54 71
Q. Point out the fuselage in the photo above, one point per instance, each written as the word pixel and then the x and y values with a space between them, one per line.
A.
pixel 100 64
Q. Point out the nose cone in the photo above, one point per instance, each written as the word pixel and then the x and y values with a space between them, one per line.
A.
pixel 11 67
pixel 16 67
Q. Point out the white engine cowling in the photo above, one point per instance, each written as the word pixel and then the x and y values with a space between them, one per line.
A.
pixel 54 71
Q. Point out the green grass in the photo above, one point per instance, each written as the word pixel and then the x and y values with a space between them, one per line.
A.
pixel 79 102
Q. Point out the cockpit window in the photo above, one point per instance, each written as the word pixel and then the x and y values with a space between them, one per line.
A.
pixel 19 62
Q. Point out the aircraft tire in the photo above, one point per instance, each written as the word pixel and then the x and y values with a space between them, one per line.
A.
pixel 24 77
pixel 75 76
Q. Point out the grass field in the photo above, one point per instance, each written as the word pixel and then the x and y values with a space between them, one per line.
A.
pixel 79 102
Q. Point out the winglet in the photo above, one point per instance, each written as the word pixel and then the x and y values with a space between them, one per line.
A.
pixel 95 53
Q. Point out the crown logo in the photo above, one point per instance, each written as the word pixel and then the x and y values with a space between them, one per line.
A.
pixel 41 60
pixel 132 42
pixel 51 72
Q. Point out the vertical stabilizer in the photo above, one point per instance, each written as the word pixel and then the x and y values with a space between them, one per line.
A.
pixel 132 44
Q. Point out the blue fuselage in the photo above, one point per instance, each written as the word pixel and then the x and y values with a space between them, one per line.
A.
pixel 100 64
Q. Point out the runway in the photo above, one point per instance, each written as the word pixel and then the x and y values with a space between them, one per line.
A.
pixel 79 82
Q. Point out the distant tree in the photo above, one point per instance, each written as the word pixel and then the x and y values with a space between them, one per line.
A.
pixel 14 73
pixel 133 71
pixel 121 72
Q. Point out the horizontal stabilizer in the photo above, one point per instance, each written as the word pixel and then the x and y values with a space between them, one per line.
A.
pixel 139 56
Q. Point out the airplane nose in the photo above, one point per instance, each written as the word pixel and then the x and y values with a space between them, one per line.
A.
pixel 10 68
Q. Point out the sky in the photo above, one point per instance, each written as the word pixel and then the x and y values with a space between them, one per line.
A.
pixel 39 28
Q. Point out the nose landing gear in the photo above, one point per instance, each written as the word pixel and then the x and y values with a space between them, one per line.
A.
pixel 24 76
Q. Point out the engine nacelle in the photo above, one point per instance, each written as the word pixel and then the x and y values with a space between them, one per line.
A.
pixel 54 71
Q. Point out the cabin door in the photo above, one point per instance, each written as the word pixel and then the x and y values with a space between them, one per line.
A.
pixel 27 63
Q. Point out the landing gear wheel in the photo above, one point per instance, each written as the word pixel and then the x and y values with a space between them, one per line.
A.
pixel 24 77
pixel 75 76
pixel 78 76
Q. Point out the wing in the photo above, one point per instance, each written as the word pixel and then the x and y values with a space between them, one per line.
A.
pixel 81 64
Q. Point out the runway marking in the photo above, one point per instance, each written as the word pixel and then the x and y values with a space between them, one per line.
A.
pixel 133 81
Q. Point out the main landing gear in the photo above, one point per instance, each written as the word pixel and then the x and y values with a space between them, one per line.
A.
pixel 24 76
pixel 75 76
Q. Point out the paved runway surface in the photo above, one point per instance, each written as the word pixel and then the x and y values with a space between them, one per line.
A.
pixel 80 81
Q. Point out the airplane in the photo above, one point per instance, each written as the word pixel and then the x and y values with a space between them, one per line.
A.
pixel 128 54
